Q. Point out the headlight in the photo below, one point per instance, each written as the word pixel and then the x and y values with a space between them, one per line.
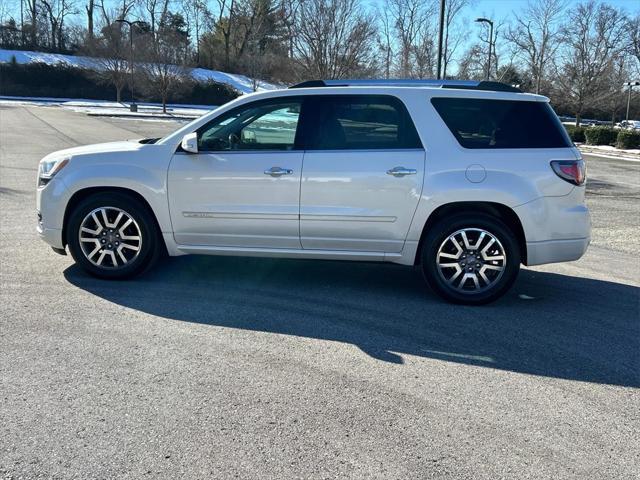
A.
pixel 49 167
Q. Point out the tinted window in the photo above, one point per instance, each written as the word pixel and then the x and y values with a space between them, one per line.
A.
pixel 355 122
pixel 478 123
pixel 270 125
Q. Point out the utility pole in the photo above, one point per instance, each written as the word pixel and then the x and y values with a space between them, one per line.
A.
pixel 440 32
pixel 486 20
pixel 133 107
pixel 630 85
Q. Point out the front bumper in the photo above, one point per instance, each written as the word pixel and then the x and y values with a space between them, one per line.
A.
pixel 52 236
pixel 51 201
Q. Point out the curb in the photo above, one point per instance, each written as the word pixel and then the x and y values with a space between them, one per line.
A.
pixel 141 116
pixel 629 157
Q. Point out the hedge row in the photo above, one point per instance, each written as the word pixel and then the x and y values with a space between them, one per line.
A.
pixel 624 139
pixel 575 133
pixel 601 135
pixel 42 80
pixel 628 139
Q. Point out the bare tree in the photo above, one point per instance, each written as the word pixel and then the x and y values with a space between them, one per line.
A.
pixel 472 65
pixel 335 39
pixel 226 23
pixel 32 7
pixel 385 41
pixel 536 35
pixel 90 8
pixel 121 10
pixel 633 27
pixel 289 12
pixel 163 67
pixel 414 29
pixel 197 16
pixel 110 52
pixel 155 11
pixel 57 11
pixel 594 36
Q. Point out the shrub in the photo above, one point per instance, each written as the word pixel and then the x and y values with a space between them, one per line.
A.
pixel 628 139
pixel 576 134
pixel 208 93
pixel 60 81
pixel 42 80
pixel 600 135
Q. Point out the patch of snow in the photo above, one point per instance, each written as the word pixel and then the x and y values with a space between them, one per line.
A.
pixel 108 108
pixel 241 83
pixel 607 151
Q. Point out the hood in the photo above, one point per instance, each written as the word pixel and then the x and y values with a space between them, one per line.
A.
pixel 110 147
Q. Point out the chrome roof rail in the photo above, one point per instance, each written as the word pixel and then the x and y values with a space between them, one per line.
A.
pixel 460 84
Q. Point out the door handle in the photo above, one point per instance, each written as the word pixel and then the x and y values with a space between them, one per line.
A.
pixel 278 172
pixel 401 171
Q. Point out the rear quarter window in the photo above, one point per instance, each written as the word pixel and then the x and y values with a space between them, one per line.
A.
pixel 483 123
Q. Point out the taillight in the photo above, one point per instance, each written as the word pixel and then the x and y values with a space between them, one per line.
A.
pixel 573 171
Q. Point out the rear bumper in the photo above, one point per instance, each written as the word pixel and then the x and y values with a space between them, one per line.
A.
pixel 552 251
pixel 557 229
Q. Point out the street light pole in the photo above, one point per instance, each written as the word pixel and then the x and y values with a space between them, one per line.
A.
pixel 133 107
pixel 486 20
pixel 440 34
pixel 630 85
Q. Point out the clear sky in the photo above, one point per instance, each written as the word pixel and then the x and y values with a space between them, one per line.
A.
pixel 500 9
pixel 504 8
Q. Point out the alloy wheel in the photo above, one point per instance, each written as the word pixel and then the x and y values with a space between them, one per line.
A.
pixel 110 237
pixel 471 260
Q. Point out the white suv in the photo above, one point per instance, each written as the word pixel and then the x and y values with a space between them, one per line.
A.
pixel 465 179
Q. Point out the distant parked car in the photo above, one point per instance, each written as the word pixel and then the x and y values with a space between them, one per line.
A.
pixel 467 180
pixel 629 124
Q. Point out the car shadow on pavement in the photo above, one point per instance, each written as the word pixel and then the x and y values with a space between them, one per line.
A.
pixel 549 324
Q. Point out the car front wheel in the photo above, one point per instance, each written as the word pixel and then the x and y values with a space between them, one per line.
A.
pixel 470 259
pixel 112 235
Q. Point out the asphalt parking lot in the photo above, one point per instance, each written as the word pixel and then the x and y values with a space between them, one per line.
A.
pixel 219 367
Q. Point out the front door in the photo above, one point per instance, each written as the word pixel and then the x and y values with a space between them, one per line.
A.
pixel 242 188
pixel 362 176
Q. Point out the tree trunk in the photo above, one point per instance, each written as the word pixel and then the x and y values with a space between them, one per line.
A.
pixel 118 94
pixel 33 10
pixel 89 9
pixel 164 103
pixel 226 51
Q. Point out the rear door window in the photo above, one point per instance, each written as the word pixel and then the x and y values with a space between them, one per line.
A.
pixel 481 123
pixel 358 122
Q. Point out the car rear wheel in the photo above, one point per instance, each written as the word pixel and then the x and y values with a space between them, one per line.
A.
pixel 112 235
pixel 470 259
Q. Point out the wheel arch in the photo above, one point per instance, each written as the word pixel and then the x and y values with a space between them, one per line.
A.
pixel 84 193
pixel 494 209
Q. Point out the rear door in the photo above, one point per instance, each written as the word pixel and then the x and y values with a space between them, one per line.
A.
pixel 362 175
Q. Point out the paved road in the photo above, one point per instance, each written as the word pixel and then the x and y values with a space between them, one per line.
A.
pixel 251 368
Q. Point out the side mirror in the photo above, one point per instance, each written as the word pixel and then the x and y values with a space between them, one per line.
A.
pixel 190 143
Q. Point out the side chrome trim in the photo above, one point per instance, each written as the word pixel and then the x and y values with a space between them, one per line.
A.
pixel 347 218
pixel 288 253
pixel 290 216
pixel 242 216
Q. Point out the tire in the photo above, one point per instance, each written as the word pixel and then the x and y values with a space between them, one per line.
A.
pixel 128 219
pixel 495 266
